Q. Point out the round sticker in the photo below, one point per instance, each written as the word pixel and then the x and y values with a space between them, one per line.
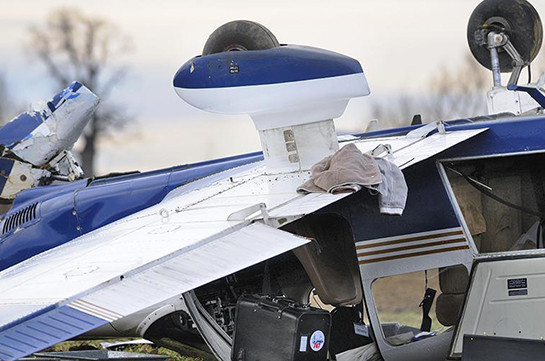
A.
pixel 317 340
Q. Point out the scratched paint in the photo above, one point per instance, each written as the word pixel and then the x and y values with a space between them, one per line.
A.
pixel 36 144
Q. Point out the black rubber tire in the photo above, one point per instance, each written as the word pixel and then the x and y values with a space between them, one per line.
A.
pixel 521 23
pixel 240 35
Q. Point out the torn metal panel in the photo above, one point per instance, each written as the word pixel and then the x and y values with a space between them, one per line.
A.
pixel 36 144
pixel 65 167
pixel 64 118
pixel 17 176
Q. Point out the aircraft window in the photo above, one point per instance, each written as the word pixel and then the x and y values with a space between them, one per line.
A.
pixel 399 302
pixel 502 200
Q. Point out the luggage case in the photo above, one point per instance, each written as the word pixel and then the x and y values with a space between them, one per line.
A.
pixel 277 329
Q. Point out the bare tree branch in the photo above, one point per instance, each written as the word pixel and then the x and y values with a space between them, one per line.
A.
pixel 4 101
pixel 42 47
pixel 74 46
pixel 454 94
pixel 8 108
pixel 109 83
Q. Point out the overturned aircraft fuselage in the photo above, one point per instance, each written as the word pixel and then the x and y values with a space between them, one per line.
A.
pixel 215 252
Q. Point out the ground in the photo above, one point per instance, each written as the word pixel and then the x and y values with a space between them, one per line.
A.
pixel 149 349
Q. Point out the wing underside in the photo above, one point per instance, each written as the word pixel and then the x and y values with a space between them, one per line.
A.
pixel 180 271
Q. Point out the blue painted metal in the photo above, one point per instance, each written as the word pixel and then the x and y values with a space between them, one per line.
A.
pixel 392 132
pixel 42 329
pixel 43 193
pixel 428 207
pixel 534 92
pixel 258 67
pixel 514 135
pixel 68 211
pixel 5 169
pixel 66 94
pixel 20 127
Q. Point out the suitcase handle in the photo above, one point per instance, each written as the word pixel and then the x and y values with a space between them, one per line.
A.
pixel 269 308
pixel 279 309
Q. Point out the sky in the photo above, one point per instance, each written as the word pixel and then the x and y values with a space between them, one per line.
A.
pixel 400 44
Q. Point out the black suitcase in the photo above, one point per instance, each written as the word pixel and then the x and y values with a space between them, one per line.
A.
pixel 277 329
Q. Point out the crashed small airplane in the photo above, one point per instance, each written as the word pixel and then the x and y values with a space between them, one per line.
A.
pixel 225 255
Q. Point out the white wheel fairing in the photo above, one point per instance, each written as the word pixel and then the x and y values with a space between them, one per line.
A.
pixel 282 104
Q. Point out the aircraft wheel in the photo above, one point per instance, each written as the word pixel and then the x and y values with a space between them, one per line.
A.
pixel 516 18
pixel 240 35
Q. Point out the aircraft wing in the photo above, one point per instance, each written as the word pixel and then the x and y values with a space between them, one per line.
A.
pixel 200 232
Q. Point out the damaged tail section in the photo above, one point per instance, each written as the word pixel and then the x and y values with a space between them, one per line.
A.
pixel 36 144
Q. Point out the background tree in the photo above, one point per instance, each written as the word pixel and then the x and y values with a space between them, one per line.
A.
pixel 459 93
pixel 454 93
pixel 74 46
pixel 6 106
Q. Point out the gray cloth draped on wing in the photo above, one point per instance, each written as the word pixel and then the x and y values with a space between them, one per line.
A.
pixel 348 170
pixel 392 191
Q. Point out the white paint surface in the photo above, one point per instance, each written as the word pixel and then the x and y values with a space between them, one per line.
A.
pixel 490 309
pixel 283 104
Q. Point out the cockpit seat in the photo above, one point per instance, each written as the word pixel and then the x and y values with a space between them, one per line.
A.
pixel 453 282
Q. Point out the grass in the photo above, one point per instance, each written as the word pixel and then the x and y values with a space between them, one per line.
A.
pixel 146 348
pixel 398 298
